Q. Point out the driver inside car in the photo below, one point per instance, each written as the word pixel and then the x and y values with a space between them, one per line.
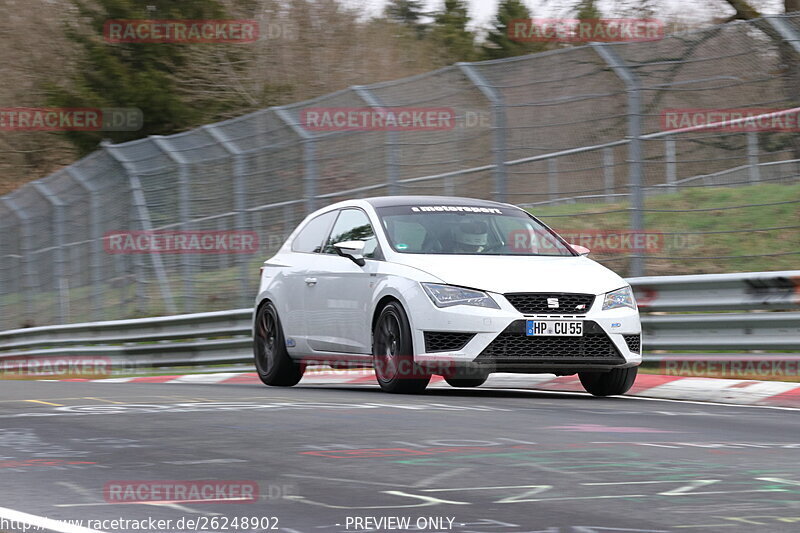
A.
pixel 470 237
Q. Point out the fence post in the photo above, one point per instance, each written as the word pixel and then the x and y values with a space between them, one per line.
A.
pixel 25 250
pixel 309 157
pixel 669 156
pixel 499 143
pixel 239 200
pixel 288 223
pixel 391 139
pixel 786 31
pixel 790 36
pixel 59 260
pixel 633 87
pixel 95 262
pixel 608 173
pixel 139 204
pixel 188 270
pixel 552 178
pixel 752 156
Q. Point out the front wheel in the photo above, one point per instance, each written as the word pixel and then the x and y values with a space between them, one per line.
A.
pixel 617 381
pixel 393 353
pixel 273 363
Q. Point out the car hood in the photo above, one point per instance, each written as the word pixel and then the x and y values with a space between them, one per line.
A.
pixel 517 274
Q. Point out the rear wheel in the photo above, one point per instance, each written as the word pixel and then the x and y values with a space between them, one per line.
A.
pixel 273 363
pixel 617 381
pixel 393 353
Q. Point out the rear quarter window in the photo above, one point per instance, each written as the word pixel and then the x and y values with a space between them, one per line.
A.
pixel 314 233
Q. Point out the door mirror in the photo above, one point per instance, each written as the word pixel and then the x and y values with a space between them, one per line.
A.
pixel 582 250
pixel 352 249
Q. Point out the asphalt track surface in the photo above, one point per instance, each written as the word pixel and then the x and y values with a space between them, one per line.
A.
pixel 330 458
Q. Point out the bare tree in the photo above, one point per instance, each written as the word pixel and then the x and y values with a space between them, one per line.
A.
pixel 33 53
pixel 305 49
pixel 790 59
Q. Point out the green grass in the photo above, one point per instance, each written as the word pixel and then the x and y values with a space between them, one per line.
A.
pixel 692 253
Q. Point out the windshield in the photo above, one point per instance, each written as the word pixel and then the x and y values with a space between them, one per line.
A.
pixel 471 230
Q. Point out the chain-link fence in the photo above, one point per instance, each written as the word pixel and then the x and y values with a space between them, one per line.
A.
pixel 578 135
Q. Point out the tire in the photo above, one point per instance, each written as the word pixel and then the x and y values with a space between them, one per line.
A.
pixel 274 365
pixel 393 353
pixel 466 382
pixel 617 381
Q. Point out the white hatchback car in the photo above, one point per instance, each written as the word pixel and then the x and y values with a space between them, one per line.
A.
pixel 460 287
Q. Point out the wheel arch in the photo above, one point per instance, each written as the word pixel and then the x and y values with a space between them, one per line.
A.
pixel 381 303
pixel 259 304
pixel 379 307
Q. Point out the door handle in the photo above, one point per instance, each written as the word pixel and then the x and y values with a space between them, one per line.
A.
pixel 311 281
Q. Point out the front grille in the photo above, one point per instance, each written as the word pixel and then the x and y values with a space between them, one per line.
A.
pixel 446 341
pixel 534 303
pixel 513 346
pixel 634 343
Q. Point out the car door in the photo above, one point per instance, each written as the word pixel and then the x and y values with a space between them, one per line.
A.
pixel 291 289
pixel 338 303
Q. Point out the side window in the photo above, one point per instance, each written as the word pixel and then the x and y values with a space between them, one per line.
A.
pixel 353 225
pixel 310 238
pixel 407 234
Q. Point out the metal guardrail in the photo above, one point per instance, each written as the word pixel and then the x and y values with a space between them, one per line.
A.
pixel 679 322
pixel 754 292
pixel 730 331
pixel 746 291
pixel 182 340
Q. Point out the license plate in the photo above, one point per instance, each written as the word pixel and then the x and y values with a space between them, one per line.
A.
pixel 553 328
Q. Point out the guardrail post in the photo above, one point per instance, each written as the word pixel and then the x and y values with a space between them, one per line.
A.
pixel 28 275
pixel 752 156
pixel 672 168
pixel 188 270
pixel 95 262
pixel 139 205
pixel 391 139
pixel 633 87
pixel 499 128
pixel 309 157
pixel 239 198
pixel 59 260
pixel 608 173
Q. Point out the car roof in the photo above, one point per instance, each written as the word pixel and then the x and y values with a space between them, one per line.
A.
pixel 389 201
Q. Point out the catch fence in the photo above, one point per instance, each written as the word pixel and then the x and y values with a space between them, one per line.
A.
pixel 584 136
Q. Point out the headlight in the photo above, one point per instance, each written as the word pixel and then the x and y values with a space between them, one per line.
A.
pixel 619 298
pixel 448 295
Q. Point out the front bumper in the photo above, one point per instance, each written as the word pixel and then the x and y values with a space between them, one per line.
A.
pixel 494 340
